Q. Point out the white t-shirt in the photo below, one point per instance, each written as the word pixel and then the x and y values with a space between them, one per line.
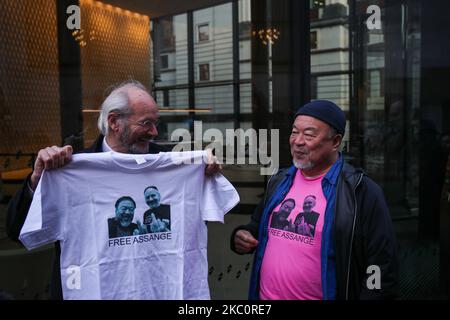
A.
pixel 88 206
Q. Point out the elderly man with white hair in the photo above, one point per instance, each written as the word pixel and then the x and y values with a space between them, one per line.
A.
pixel 128 123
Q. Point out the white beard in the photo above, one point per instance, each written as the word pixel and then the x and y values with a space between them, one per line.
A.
pixel 303 166
pixel 131 148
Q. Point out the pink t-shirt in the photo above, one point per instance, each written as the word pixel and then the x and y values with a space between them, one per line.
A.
pixel 291 267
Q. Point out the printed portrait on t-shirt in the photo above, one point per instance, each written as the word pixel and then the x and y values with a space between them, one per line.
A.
pixel 280 218
pixel 122 224
pixel 157 217
pixel 305 222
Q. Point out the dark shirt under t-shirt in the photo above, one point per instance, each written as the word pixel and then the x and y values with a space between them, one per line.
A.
pixel 162 212
pixel 116 230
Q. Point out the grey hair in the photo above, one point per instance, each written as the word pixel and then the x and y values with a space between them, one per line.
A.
pixel 332 132
pixel 117 100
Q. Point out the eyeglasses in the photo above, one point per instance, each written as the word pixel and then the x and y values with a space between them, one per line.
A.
pixel 147 124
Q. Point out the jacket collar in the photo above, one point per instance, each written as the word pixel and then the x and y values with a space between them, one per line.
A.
pixel 332 175
pixel 351 174
pixel 97 146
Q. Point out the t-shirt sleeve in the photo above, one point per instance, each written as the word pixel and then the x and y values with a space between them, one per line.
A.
pixel 44 222
pixel 219 197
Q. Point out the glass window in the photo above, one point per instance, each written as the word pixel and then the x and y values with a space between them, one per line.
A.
pixel 164 61
pixel 316 9
pixel 245 33
pixel 313 88
pixel 166 100
pixel 203 72
pixel 317 4
pixel 167 33
pixel 170 48
pixel 203 32
pixel 313 39
pixel 246 98
pixel 393 132
pixel 218 51
pixel 217 99
pixel 375 83
pixel 330 71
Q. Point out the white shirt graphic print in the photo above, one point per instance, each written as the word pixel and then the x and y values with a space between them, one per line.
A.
pixel 95 206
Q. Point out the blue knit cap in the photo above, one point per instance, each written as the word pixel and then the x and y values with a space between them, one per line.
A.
pixel 325 111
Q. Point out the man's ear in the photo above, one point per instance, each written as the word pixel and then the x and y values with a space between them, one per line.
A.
pixel 337 140
pixel 113 121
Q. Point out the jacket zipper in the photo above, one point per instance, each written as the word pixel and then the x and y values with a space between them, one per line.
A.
pixel 353 234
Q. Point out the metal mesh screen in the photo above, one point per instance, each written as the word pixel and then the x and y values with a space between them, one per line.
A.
pixel 29 80
pixel 115 46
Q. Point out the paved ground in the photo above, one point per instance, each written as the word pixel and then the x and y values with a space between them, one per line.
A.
pixel 25 274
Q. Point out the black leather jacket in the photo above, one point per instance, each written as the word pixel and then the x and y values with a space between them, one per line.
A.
pixel 363 235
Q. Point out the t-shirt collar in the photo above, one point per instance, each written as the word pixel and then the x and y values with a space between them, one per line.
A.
pixel 105 146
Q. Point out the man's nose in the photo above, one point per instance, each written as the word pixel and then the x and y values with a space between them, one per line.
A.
pixel 153 131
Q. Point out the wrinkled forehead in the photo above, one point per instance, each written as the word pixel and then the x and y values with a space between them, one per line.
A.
pixel 151 191
pixel 126 203
pixel 304 122
pixel 289 203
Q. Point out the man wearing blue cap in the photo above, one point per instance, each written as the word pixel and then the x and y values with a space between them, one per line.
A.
pixel 352 253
